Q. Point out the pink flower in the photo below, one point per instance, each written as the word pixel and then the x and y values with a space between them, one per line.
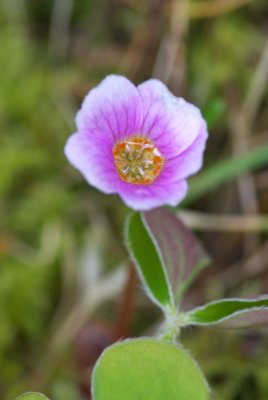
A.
pixel 139 142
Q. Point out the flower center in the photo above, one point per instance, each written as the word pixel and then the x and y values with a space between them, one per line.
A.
pixel 137 160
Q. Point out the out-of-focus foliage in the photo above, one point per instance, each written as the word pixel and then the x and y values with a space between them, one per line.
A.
pixel 58 236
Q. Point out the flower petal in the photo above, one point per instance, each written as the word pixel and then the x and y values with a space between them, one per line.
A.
pixel 171 122
pixel 114 108
pixel 147 197
pixel 187 163
pixel 93 157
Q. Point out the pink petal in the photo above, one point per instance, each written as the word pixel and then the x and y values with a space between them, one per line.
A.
pixel 171 122
pixel 147 197
pixel 187 163
pixel 114 108
pixel 93 157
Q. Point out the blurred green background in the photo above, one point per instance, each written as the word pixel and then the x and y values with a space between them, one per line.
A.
pixel 66 288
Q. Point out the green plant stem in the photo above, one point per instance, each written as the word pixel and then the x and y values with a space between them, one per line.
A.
pixel 172 326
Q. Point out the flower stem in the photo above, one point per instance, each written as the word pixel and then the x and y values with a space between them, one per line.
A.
pixel 172 326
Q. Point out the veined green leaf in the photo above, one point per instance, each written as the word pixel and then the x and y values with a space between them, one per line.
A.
pixel 147 369
pixel 231 313
pixel 182 254
pixel 148 261
pixel 166 254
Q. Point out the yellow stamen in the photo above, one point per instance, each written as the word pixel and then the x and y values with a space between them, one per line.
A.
pixel 137 160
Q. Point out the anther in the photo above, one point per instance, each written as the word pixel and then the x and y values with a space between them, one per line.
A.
pixel 137 160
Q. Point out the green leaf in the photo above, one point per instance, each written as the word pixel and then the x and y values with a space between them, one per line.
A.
pixel 225 171
pixel 147 369
pixel 166 254
pixel 182 254
pixel 32 396
pixel 148 261
pixel 231 313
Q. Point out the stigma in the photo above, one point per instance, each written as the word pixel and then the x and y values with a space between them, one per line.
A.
pixel 137 160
